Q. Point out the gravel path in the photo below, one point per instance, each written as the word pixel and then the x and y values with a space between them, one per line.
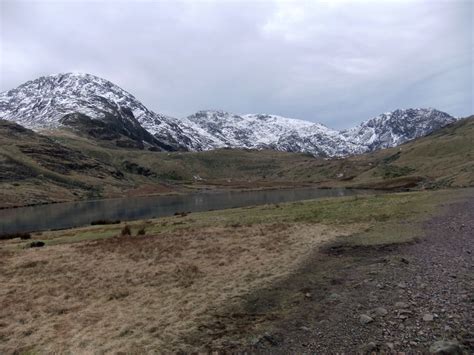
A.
pixel 412 298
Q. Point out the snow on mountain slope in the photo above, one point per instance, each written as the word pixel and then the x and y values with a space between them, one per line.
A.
pixel 292 135
pixel 397 127
pixel 256 131
pixel 75 99
pixel 41 103
pixel 247 131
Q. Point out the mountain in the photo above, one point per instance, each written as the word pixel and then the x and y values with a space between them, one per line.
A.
pixel 92 101
pixel 260 131
pixel 257 131
pixel 98 108
pixel 397 127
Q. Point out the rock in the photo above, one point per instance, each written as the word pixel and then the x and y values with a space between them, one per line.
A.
pixel 371 347
pixel 446 347
pixel 399 305
pixel 391 346
pixel 428 317
pixel 271 339
pixel 380 312
pixel 402 285
pixel 365 319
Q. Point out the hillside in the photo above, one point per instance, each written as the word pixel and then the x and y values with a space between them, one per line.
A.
pixel 444 158
pixel 65 166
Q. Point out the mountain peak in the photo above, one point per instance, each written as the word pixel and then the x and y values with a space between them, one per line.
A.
pixel 75 99
pixel 396 127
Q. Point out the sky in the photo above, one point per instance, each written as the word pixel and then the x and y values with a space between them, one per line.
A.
pixel 335 62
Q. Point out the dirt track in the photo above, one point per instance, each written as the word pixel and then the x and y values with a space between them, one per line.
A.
pixel 401 298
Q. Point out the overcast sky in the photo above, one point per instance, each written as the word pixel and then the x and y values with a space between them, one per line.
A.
pixel 335 62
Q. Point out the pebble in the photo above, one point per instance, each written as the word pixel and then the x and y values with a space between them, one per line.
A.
pixel 371 347
pixel 365 319
pixel 401 305
pixel 428 317
pixel 380 311
pixel 446 347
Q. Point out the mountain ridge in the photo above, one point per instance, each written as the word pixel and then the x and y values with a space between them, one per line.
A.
pixel 44 102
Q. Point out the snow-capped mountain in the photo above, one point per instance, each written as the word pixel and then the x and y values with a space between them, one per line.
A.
pixel 256 131
pixel 75 100
pixel 248 131
pixel 394 128
pixel 42 103
pixel 286 134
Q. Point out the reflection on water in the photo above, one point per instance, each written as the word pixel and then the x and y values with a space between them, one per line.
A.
pixel 75 214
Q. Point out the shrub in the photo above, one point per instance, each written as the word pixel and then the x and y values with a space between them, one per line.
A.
pixel 141 231
pixel 22 236
pixel 36 244
pixel 25 236
pixel 126 231
pixel 104 221
pixel 181 214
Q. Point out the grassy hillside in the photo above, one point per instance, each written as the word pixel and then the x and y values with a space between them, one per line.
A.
pixel 65 166
pixel 444 158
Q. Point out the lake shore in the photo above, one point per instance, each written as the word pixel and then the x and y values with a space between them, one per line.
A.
pixel 82 213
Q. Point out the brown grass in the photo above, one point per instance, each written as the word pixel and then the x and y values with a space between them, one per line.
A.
pixel 142 294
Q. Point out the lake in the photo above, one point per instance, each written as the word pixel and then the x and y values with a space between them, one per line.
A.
pixel 81 213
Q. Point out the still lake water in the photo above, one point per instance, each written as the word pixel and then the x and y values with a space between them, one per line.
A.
pixel 76 214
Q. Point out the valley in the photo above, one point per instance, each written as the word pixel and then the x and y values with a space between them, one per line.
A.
pixel 60 165
pixel 236 177
pixel 226 232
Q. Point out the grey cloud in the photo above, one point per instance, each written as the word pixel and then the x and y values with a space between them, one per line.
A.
pixel 335 62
